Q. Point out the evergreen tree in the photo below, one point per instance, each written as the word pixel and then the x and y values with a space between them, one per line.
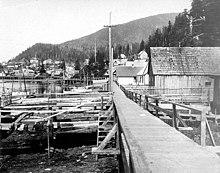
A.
pixel 211 25
pixel 119 51
pixel 127 51
pixel 142 46
pixel 77 64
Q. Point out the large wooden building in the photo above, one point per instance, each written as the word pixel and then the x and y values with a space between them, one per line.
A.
pixel 187 70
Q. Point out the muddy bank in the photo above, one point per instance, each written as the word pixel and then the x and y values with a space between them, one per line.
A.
pixel 77 160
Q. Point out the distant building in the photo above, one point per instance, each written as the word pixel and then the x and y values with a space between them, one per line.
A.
pixel 143 55
pixel 34 62
pixel 137 63
pixel 143 76
pixel 47 61
pixel 127 75
pixel 117 62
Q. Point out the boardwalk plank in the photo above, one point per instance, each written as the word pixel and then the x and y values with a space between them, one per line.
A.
pixel 160 146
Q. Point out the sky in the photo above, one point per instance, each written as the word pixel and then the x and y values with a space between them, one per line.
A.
pixel 26 22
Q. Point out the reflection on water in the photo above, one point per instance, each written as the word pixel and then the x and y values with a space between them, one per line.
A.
pixel 38 88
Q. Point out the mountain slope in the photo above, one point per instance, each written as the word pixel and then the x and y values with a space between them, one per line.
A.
pixel 130 32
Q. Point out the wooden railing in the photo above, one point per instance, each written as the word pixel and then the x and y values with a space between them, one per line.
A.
pixel 147 101
pixel 181 95
pixel 131 158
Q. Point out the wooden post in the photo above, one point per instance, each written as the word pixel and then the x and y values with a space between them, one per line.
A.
pixel 101 103
pixel 48 139
pixel 210 133
pixel 140 100
pixel 157 104
pixel 146 102
pixel 174 117
pixel 203 128
pixel 0 132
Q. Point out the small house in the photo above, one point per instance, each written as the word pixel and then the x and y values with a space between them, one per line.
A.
pixel 143 55
pixel 127 75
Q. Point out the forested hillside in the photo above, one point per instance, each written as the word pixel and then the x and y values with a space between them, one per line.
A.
pixel 198 27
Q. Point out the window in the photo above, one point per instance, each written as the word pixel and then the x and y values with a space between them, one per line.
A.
pixel 207 84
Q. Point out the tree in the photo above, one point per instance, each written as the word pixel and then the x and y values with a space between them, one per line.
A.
pixel 127 50
pixel 206 22
pixel 77 65
pixel 142 46
pixel 211 25
pixel 119 51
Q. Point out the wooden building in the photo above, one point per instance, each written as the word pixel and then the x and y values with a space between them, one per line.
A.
pixel 127 75
pixel 187 70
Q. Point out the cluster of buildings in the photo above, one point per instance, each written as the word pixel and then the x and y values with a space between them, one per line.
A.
pixel 131 72
pixel 191 71
pixel 33 68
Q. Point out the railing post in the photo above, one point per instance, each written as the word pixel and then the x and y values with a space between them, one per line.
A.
pixel 140 99
pixel 157 104
pixel 146 102
pixel 174 117
pixel 135 97
pixel 203 128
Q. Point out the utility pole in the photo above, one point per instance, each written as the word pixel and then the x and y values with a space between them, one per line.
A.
pixel 110 54
pixel 95 50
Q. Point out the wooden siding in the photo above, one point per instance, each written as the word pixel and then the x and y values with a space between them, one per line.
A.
pixel 178 82
pixel 126 81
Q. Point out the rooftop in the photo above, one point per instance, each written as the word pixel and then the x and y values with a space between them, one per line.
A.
pixel 127 71
pixel 185 60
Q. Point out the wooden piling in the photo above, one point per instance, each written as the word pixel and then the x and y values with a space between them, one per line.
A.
pixel 146 102
pixel 48 139
pixel 174 117
pixel 203 128
pixel 157 104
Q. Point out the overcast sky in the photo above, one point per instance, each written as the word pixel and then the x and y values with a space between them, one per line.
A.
pixel 26 22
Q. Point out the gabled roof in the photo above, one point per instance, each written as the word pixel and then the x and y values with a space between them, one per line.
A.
pixel 119 61
pixel 137 63
pixel 143 71
pixel 127 71
pixel 143 54
pixel 185 60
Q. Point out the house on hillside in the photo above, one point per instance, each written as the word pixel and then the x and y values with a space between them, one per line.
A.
pixel 187 70
pixel 127 75
pixel 47 61
pixel 34 62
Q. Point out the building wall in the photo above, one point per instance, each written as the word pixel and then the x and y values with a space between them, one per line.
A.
pixel 143 80
pixel 126 80
pixel 184 85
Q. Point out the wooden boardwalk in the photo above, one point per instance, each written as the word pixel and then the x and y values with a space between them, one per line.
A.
pixel 155 146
